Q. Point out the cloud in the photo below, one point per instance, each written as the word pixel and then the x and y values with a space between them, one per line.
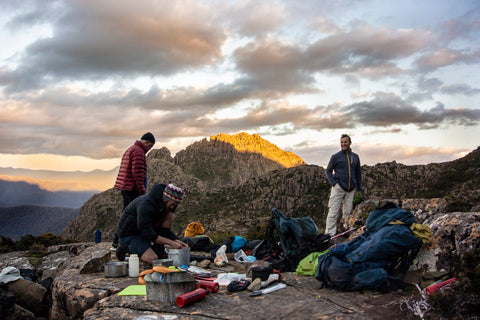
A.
pixel 271 65
pixel 366 49
pixel 406 154
pixel 253 18
pixel 94 40
pixel 89 77
pixel 460 88
pixel 388 109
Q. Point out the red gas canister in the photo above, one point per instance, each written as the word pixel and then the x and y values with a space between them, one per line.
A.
pixel 432 288
pixel 191 297
pixel 209 285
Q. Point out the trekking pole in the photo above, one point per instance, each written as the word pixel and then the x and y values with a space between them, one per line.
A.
pixel 339 235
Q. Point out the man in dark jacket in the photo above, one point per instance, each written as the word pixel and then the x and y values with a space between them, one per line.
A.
pixel 346 179
pixel 147 221
pixel 132 176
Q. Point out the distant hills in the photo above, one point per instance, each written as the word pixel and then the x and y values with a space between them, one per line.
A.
pixel 96 180
pixel 34 220
pixel 27 209
pixel 18 193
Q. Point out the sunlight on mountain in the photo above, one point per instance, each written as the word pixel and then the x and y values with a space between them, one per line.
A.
pixel 244 142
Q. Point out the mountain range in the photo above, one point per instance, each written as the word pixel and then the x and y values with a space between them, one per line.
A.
pixel 233 182
pixel 34 220
pixel 18 193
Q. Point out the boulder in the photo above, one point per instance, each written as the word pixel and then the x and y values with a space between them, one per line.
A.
pixel 453 234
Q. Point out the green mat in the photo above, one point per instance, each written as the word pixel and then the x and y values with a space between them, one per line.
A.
pixel 134 290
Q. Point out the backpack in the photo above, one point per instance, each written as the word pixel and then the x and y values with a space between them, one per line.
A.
pixel 371 260
pixel 296 240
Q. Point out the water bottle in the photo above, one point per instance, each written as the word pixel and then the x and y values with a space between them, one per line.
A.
pixel 98 236
pixel 133 266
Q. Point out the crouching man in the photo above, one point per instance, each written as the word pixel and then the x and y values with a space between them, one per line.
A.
pixel 145 225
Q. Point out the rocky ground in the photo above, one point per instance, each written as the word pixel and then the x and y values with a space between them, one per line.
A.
pixel 81 291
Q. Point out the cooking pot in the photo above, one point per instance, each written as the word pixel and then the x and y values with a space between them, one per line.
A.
pixel 261 272
pixel 116 269
pixel 180 257
pixel 163 262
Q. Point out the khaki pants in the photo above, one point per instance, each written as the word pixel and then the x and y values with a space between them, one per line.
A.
pixel 337 196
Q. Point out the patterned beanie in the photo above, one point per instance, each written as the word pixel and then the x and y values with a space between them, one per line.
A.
pixel 172 192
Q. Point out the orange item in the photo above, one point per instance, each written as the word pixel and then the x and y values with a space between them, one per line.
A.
pixel 193 229
pixel 142 274
pixel 163 269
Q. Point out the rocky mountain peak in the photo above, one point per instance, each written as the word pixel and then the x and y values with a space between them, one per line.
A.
pixel 244 142
pixel 232 191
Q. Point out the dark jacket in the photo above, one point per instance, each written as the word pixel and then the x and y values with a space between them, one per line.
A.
pixel 133 169
pixel 142 215
pixel 348 172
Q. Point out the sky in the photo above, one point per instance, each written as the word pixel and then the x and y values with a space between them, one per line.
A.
pixel 81 80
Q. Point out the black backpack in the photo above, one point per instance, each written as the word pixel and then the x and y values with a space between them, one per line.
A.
pixel 293 241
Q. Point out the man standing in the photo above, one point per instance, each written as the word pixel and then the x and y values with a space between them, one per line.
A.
pixel 346 179
pixel 132 176
pixel 146 223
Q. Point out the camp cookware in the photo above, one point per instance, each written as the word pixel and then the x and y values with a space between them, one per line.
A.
pixel 261 272
pixel 116 269
pixel 163 262
pixel 180 257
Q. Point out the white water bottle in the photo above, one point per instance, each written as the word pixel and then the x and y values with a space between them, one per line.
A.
pixel 133 266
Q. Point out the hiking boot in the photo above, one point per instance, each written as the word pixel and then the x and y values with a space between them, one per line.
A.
pixel 121 252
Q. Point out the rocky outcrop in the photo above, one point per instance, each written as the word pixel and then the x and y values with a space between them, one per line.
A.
pixel 218 164
pixel 232 191
pixel 453 235
pixel 243 142
pixel 101 211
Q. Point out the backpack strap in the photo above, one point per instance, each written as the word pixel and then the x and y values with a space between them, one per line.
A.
pixel 322 269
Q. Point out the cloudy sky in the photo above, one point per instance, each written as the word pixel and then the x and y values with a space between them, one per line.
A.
pixel 81 80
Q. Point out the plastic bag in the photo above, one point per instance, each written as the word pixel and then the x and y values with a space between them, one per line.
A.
pixel 224 279
pixel 221 257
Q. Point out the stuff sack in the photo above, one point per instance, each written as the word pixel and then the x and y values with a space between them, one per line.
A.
pixel 308 266
pixel 235 243
pixel 296 237
pixel 198 243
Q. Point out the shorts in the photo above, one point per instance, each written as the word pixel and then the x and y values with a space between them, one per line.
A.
pixel 136 244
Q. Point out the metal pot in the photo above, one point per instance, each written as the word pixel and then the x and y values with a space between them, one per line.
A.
pixel 163 262
pixel 179 257
pixel 116 269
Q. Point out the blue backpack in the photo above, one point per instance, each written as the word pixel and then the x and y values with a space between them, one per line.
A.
pixel 369 260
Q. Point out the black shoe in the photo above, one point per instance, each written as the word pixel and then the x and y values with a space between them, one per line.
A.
pixel 121 252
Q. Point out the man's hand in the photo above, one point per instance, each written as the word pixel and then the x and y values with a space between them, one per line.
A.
pixel 177 244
